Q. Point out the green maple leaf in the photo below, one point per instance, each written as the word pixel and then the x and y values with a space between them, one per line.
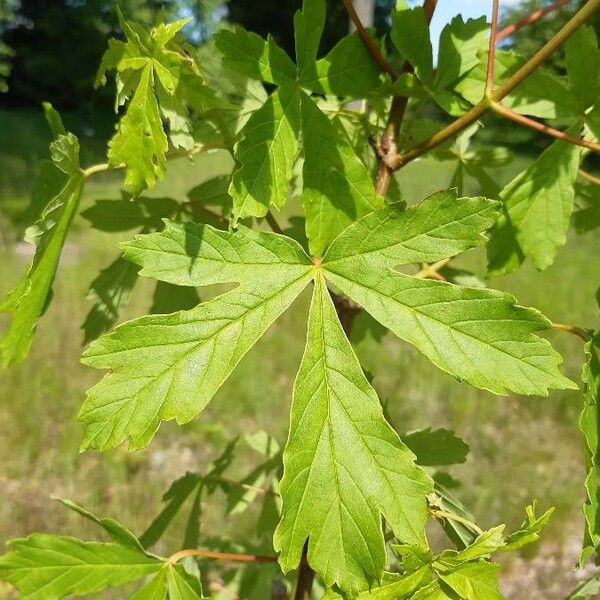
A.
pixel 474 581
pixel 158 80
pixel 393 587
pixel 60 194
pixel 50 567
pixel 337 187
pixel 588 425
pixel 537 209
pixel 477 335
pixel 140 142
pixel 199 348
pixel 343 464
pixel 252 56
pixel 267 154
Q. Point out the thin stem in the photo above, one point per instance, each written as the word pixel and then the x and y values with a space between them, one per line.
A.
pixel 273 224
pixel 432 271
pixel 578 19
pixel 543 128
pixel 368 40
pixel 240 484
pixel 173 155
pixel 491 63
pixel 574 330
pixel 442 514
pixel 305 578
pixel 470 117
pixel 233 556
pixel 395 118
pixel 536 15
pixel 589 177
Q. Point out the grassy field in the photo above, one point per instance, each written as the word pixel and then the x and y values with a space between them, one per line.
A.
pixel 521 448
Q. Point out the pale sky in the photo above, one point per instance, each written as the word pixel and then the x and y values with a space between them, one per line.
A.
pixel 446 9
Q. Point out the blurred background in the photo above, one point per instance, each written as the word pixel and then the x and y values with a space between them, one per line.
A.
pixel 521 448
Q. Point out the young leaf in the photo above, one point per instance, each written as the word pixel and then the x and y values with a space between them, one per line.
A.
pixel 410 34
pixel 50 567
pixel 474 581
pixel 176 495
pixel 308 29
pixel 140 142
pixel 337 186
pixel 343 465
pixel 589 425
pixel 28 300
pixel 182 585
pixel 583 74
pixel 267 154
pixel 436 448
pixel 252 56
pixel 529 531
pixel 155 589
pixel 537 208
pixel 119 534
pixel 347 70
pixel 393 587
pixel 196 349
pixel 480 336
pixel 460 44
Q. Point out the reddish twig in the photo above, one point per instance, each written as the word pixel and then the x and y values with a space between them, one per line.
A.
pixel 489 76
pixel 234 556
pixel 397 161
pixel 272 221
pixel 536 15
pixel 368 40
pixel 543 128
pixel 395 118
pixel 574 330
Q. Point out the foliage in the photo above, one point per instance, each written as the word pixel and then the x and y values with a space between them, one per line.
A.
pixel 350 494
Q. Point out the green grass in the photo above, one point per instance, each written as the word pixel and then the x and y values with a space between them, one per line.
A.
pixel 521 448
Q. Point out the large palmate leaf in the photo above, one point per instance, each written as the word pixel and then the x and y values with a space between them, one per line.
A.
pixel 337 186
pixel 50 567
pixel 537 208
pixel 28 300
pixel 267 154
pixel 343 464
pixel 169 366
pixel 477 335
